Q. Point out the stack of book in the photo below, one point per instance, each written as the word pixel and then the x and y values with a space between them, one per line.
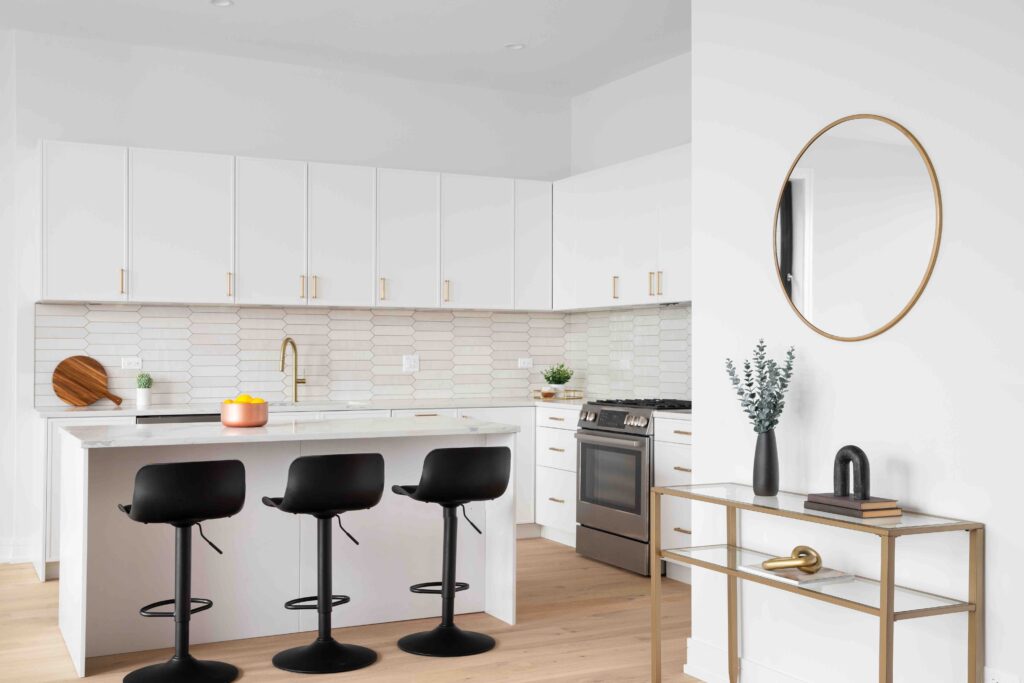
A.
pixel 847 505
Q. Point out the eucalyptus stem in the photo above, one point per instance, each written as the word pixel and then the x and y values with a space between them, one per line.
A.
pixel 761 386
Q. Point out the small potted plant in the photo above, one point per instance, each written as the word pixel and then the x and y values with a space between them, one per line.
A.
pixel 143 388
pixel 762 389
pixel 556 377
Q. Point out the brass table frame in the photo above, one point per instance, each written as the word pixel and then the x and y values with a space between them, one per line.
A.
pixel 887 616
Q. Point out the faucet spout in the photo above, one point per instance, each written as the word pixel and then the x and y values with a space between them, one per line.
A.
pixel 296 380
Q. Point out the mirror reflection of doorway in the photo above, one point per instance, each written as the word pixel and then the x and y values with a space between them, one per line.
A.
pixel 794 241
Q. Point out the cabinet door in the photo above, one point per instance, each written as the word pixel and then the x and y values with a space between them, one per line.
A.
pixel 407 238
pixel 634 188
pixel 341 235
pixel 270 231
pixel 181 227
pixel 675 263
pixel 533 245
pixel 85 221
pixel 585 226
pixel 477 242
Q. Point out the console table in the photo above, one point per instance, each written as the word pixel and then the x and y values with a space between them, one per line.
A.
pixel 880 598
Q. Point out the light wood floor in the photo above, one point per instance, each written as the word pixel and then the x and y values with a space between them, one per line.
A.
pixel 579 622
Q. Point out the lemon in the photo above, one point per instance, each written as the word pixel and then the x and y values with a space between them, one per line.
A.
pixel 257 400
pixel 228 401
pixel 243 398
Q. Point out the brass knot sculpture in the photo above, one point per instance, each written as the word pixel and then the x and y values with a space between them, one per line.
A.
pixel 803 557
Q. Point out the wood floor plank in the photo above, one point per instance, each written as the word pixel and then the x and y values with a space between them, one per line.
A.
pixel 579 622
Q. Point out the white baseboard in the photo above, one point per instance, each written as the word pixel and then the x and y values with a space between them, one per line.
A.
pixel 528 530
pixel 710 663
pixel 559 536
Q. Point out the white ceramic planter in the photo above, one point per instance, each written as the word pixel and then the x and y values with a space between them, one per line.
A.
pixel 142 398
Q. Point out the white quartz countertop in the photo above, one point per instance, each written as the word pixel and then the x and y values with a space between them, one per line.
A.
pixel 188 434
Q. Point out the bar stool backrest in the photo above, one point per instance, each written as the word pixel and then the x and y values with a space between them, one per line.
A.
pixel 452 476
pixel 183 493
pixel 326 485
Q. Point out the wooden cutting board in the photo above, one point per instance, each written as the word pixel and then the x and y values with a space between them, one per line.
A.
pixel 81 381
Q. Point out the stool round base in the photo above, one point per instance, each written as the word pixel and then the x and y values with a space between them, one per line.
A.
pixel 184 670
pixel 446 641
pixel 324 657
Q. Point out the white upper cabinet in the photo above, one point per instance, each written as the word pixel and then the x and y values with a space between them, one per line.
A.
pixel 586 263
pixel 341 235
pixel 675 260
pixel 270 232
pixel 85 222
pixel 407 238
pixel 533 245
pixel 181 227
pixel 477 242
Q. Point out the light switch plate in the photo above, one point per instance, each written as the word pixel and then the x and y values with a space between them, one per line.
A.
pixel 993 676
pixel 131 363
pixel 525 363
pixel 411 363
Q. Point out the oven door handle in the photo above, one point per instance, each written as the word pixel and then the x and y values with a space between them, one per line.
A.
pixel 607 441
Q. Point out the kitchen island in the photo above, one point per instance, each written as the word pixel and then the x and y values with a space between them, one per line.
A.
pixel 111 566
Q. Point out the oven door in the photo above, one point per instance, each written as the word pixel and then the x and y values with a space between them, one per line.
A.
pixel 613 483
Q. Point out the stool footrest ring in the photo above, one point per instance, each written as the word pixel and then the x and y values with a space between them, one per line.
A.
pixel 429 589
pixel 297 602
pixel 148 610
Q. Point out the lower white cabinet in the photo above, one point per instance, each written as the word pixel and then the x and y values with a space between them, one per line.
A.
pixel 426 412
pixel 673 466
pixel 556 448
pixel 556 499
pixel 525 460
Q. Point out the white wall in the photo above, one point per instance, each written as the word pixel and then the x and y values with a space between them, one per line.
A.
pixel 645 112
pixel 936 401
pixel 94 91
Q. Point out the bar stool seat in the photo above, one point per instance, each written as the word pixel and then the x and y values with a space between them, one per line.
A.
pixel 451 478
pixel 325 486
pixel 185 495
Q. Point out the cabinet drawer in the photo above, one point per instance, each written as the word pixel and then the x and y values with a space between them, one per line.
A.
pixel 556 448
pixel 559 418
pixel 426 412
pixel 673 464
pixel 556 498
pixel 675 522
pixel 673 431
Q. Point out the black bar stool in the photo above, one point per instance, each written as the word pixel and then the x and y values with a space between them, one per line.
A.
pixel 184 494
pixel 451 478
pixel 326 486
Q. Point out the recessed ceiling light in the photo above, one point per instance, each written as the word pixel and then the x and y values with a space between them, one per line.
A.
pixel 222 3
pixel 514 46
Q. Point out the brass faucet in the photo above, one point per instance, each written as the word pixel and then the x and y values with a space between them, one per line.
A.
pixel 296 380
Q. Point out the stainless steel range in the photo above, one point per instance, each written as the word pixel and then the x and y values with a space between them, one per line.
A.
pixel 615 469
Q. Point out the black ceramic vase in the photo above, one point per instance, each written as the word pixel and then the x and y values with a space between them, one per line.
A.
pixel 766 465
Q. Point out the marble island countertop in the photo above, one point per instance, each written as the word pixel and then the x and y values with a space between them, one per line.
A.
pixel 189 434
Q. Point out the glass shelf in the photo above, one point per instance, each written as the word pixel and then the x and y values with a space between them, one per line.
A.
pixel 860 593
pixel 792 505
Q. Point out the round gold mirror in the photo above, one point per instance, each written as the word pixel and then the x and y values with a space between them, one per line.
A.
pixel 857 227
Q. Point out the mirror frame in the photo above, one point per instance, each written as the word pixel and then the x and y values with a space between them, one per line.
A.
pixel 935 244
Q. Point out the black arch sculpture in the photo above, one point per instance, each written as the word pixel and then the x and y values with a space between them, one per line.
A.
pixel 847 457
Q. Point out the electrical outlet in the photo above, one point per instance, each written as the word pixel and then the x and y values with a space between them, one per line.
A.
pixel 994 676
pixel 131 363
pixel 525 363
pixel 411 363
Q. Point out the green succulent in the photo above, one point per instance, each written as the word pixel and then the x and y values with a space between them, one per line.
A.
pixel 143 380
pixel 557 374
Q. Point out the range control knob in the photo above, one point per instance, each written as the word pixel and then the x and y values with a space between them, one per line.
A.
pixel 641 421
pixel 590 416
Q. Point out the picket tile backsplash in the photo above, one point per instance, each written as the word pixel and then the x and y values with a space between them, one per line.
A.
pixel 207 353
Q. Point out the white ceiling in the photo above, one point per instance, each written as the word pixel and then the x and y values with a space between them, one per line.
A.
pixel 571 45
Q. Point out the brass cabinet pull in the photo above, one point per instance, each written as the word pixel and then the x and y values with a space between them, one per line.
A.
pixel 557 419
pixel 661 275
pixel 229 283
pixel 556 450
pixel 120 285
pixel 316 281
pixel 556 500
pixel 650 283
pixel 682 469
pixel 681 530
pixel 302 286
pixel 382 292
pixel 424 414
pixel 680 431
pixel 447 291
pixel 615 286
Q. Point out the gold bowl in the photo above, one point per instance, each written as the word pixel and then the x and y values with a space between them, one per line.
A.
pixel 243 414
